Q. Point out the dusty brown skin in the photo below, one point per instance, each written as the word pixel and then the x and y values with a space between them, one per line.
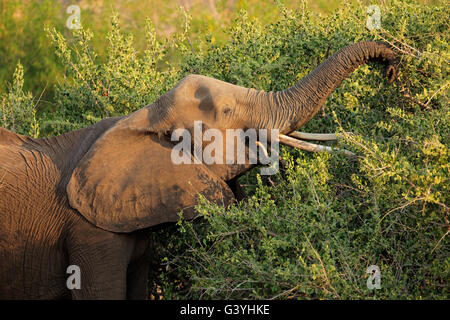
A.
pixel 89 197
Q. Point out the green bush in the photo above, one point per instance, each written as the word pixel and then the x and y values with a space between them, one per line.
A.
pixel 17 108
pixel 22 36
pixel 22 39
pixel 120 85
pixel 312 230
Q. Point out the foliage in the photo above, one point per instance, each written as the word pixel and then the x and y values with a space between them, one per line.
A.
pixel 22 39
pixel 17 108
pixel 312 230
pixel 22 35
pixel 120 85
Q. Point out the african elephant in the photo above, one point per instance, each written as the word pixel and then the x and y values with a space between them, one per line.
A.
pixel 90 197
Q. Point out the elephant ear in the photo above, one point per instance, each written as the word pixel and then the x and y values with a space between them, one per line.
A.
pixel 127 181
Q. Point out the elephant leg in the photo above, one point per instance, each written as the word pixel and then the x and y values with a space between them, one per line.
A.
pixel 137 282
pixel 98 280
pixel 236 187
pixel 102 258
pixel 138 269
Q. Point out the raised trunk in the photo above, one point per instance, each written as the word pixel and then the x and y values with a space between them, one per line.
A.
pixel 290 109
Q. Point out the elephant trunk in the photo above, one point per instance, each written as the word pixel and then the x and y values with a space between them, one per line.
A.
pixel 290 109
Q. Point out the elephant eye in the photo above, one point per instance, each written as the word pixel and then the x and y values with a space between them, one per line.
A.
pixel 226 110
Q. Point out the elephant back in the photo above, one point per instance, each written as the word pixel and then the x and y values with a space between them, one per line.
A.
pixel 10 138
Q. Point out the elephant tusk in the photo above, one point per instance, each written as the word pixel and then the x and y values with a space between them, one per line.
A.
pixel 316 136
pixel 311 147
pixel 264 150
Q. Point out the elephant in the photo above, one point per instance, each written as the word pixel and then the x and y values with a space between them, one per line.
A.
pixel 90 198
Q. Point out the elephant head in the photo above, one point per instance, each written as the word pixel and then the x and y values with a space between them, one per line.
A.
pixel 222 105
pixel 126 180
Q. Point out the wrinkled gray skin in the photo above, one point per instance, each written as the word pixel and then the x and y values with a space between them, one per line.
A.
pixel 90 197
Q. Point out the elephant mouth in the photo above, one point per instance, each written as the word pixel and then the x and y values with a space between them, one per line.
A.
pixel 251 146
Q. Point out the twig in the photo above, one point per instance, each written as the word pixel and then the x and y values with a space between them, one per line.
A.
pixel 285 292
pixel 420 103
pixel 443 87
pixel 322 265
pixel 190 43
pixel 448 231
pixel 400 207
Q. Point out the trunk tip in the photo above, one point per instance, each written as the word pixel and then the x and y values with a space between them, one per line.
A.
pixel 391 72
